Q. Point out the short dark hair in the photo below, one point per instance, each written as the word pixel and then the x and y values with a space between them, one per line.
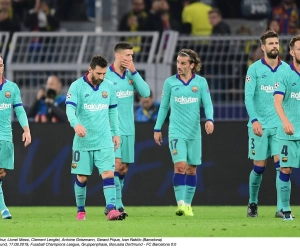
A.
pixel 193 58
pixel 122 46
pixel 293 40
pixel 266 35
pixel 215 10
pixel 98 60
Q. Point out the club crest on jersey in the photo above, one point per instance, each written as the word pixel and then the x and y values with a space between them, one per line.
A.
pixel 284 159
pixel 248 78
pixel 194 89
pixel 69 95
pixel 104 94
pixel 276 85
pixel 175 152
pixel 130 82
pixel 7 94
pixel 74 165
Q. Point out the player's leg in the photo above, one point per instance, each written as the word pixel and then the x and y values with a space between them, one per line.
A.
pixel 118 167
pixel 6 162
pixel 258 152
pixel 127 158
pixel 178 152
pixel 273 142
pixel 82 166
pixel 289 156
pixel 194 156
pixel 104 160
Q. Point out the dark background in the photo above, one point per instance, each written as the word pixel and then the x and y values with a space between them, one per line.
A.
pixel 42 171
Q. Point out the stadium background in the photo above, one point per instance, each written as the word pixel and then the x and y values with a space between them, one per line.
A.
pixel 42 171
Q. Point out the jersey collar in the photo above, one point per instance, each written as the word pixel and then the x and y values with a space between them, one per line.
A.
pixel 188 82
pixel 3 80
pixel 273 70
pixel 294 69
pixel 112 69
pixel 85 78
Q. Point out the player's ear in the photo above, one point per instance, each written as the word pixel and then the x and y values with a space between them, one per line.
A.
pixel 292 53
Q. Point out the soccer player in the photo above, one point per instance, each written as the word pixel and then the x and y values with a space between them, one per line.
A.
pixel 287 106
pixel 10 98
pixel 126 79
pixel 92 112
pixel 263 120
pixel 184 93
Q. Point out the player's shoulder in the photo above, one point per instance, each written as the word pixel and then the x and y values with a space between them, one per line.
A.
pixel 284 65
pixel 11 84
pixel 171 79
pixel 78 82
pixel 108 83
pixel 256 64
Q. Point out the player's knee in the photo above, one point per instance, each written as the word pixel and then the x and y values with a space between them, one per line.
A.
pixel 82 178
pixel 107 174
pixel 124 168
pixel 118 165
pixel 180 167
pixel 258 169
pixel 286 170
pixel 191 170
pixel 2 173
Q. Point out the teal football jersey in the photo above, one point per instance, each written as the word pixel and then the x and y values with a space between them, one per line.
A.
pixel 125 86
pixel 184 100
pixel 289 87
pixel 92 107
pixel 10 98
pixel 259 89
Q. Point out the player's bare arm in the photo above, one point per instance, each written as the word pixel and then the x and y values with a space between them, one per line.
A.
pixel 26 137
pixel 116 142
pixel 158 138
pixel 287 125
pixel 257 128
pixel 80 130
pixel 209 127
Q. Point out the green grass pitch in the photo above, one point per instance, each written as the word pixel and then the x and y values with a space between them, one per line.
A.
pixel 209 221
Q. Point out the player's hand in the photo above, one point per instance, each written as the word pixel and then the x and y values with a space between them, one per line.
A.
pixel 2 173
pixel 288 128
pixel 80 130
pixel 26 138
pixel 209 127
pixel 257 129
pixel 128 64
pixel 158 138
pixel 116 142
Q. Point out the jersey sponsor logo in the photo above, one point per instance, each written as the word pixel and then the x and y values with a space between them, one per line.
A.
pixel 104 94
pixel 68 95
pixel 295 95
pixel 195 89
pixel 248 78
pixel 124 94
pixel 130 82
pixel 4 106
pixel 95 107
pixel 7 94
pixel 186 100
pixel 268 88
